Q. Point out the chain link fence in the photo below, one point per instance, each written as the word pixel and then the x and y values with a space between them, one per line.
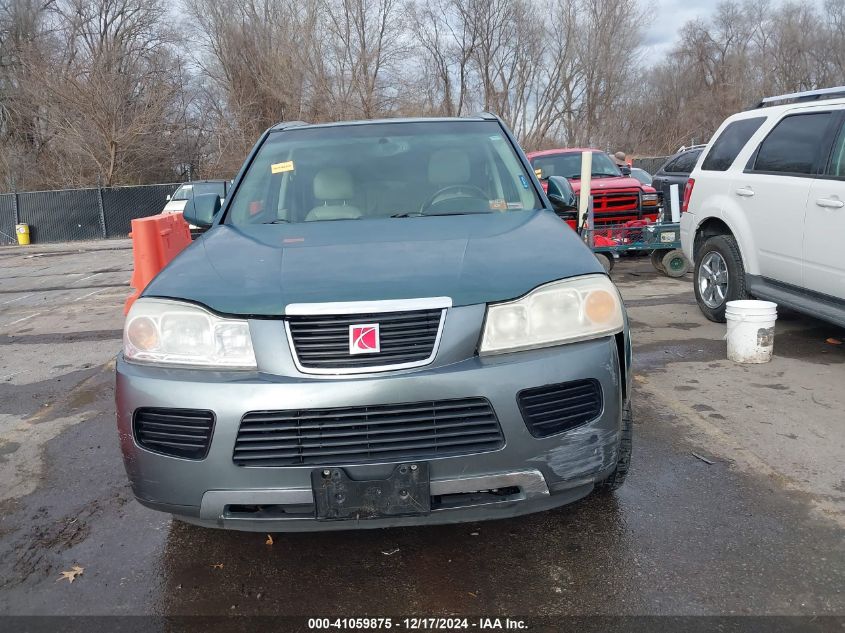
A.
pixel 67 215
pixel 650 163
pixel 7 218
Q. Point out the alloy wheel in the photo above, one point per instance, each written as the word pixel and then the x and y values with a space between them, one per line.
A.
pixel 713 280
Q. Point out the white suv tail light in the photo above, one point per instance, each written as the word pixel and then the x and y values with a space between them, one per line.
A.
pixel 687 195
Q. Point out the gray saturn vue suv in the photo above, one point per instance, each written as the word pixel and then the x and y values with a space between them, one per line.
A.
pixel 385 324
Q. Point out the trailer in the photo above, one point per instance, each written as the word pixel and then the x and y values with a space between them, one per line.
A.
pixel 661 239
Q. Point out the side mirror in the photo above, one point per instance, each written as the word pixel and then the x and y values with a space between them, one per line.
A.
pixel 626 171
pixel 200 210
pixel 561 195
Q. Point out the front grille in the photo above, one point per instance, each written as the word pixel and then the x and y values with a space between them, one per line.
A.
pixel 176 432
pixel 376 433
pixel 621 201
pixel 618 206
pixel 407 338
pixel 556 408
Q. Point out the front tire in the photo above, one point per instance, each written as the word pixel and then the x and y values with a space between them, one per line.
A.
pixel 606 260
pixel 623 462
pixel 719 276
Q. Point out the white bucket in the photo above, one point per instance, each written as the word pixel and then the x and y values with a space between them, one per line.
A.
pixel 751 330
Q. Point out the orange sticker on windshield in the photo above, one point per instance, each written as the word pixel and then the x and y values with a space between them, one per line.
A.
pixel 538 172
pixel 499 205
pixel 278 168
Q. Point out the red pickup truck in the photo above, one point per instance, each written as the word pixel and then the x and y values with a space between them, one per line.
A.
pixel 617 198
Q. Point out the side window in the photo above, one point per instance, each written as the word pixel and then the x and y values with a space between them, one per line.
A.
pixel 836 166
pixel 733 138
pixel 670 167
pixel 686 161
pixel 794 145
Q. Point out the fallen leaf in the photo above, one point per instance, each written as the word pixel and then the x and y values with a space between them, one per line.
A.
pixel 269 540
pixel 217 566
pixel 833 341
pixel 71 574
pixel 390 552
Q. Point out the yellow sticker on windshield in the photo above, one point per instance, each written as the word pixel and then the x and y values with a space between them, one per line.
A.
pixel 538 172
pixel 278 168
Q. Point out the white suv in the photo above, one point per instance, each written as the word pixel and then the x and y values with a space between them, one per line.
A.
pixel 764 209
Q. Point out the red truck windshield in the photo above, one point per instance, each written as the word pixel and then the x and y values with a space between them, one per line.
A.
pixel 569 165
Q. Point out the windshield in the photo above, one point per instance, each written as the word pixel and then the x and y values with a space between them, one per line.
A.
pixel 381 170
pixel 187 191
pixel 569 165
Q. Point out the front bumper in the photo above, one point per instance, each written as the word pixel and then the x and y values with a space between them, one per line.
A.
pixel 542 473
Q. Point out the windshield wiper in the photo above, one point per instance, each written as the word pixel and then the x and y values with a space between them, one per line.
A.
pixel 461 213
pixel 277 221
pixel 420 214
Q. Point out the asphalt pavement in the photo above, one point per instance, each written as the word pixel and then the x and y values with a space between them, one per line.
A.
pixel 735 503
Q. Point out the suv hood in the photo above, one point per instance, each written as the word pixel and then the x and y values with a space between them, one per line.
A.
pixel 259 270
pixel 616 182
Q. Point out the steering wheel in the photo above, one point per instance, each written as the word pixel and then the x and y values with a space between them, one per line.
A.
pixel 431 201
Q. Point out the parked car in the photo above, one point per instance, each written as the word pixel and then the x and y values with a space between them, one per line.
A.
pixel 359 343
pixel 642 175
pixel 675 171
pixel 764 210
pixel 617 197
pixel 187 191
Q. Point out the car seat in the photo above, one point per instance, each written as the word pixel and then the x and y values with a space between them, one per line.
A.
pixel 335 188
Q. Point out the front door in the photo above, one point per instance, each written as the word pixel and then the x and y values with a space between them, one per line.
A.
pixel 824 226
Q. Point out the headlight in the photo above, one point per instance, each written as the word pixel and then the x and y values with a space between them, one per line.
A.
pixel 649 199
pixel 169 332
pixel 560 312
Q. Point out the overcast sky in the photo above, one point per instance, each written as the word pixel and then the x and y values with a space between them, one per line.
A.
pixel 667 18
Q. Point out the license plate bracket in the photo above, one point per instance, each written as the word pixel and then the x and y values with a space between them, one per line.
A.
pixel 406 492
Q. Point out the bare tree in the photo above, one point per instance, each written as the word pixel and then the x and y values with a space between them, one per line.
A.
pixel 366 45
pixel 23 39
pixel 108 90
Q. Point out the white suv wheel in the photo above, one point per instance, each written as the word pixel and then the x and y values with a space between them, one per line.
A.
pixel 713 280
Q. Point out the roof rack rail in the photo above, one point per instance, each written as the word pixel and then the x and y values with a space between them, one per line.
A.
pixel 686 148
pixel 807 95
pixel 489 116
pixel 288 124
